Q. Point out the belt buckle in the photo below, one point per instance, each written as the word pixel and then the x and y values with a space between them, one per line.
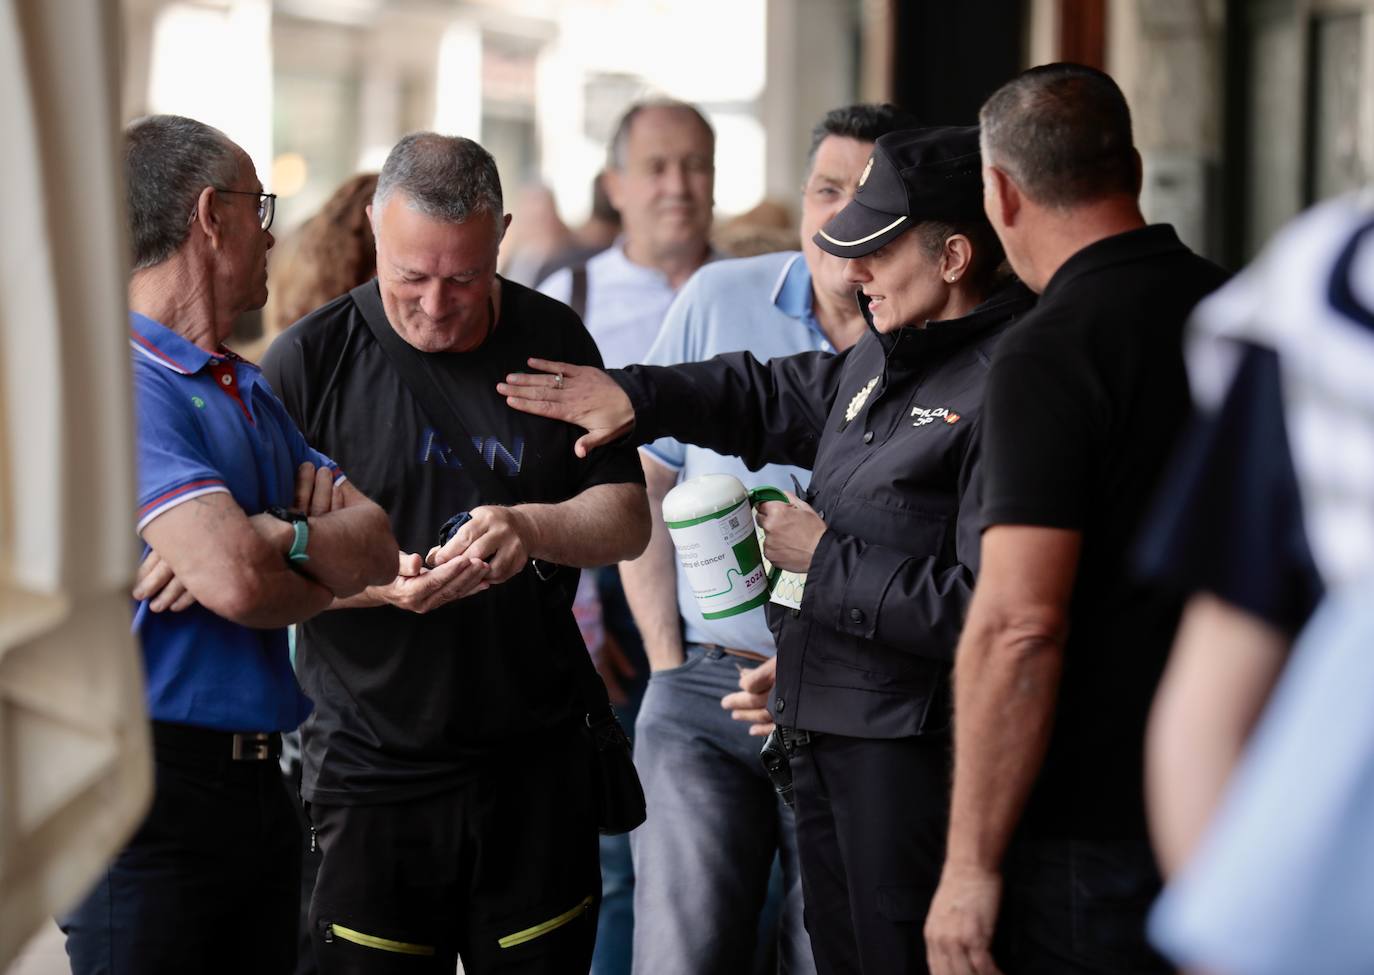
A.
pixel 254 747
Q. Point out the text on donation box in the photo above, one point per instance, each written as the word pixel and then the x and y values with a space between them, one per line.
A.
pixel 711 521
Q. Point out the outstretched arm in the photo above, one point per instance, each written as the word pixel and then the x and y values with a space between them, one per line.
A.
pixel 762 412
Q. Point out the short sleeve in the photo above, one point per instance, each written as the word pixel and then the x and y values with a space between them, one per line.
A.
pixel 1229 517
pixel 174 462
pixel 1042 430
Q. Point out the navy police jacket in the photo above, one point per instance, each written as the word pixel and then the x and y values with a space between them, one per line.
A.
pixel 890 430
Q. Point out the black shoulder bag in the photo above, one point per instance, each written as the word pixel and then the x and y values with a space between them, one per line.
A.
pixel 619 795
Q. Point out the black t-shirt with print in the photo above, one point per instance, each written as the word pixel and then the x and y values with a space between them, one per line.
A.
pixel 407 704
pixel 1085 401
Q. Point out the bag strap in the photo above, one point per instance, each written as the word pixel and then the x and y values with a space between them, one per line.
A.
pixel 438 408
pixel 415 373
pixel 577 299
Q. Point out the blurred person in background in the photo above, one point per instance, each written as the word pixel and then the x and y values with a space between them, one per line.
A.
pixel 537 236
pixel 660 177
pixel 448 764
pixel 1049 868
pixel 329 254
pixel 886 532
pixel 766 229
pixel 598 232
pixel 702 860
pixel 247 529
pixel 1267 519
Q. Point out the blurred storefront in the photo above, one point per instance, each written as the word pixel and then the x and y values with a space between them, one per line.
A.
pixel 318 89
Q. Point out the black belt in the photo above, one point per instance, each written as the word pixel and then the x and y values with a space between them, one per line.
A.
pixel 235 746
pixel 746 654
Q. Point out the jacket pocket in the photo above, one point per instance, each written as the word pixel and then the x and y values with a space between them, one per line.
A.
pixel 338 932
pixel 546 927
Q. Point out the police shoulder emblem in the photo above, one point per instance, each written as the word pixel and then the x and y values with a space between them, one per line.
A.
pixel 867 169
pixel 860 398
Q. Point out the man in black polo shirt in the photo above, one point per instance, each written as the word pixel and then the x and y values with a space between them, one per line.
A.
pixel 1062 650
pixel 445 764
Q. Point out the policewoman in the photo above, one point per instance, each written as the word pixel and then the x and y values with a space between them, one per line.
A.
pixel 887 532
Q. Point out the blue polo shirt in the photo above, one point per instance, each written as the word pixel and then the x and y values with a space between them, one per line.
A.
pixel 760 305
pixel 208 423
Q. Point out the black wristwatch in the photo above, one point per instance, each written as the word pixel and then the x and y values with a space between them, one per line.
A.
pixel 299 521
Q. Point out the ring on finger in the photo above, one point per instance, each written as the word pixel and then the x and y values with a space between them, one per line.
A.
pixel 558 381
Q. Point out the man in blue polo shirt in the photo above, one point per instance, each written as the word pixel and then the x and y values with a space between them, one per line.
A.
pixel 702 859
pixel 248 529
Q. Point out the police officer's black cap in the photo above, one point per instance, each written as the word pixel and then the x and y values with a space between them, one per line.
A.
pixel 913 175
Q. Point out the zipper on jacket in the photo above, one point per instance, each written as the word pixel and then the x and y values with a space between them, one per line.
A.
pixel 544 927
pixel 332 931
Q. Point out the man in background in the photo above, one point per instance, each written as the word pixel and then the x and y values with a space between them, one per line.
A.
pixel 660 176
pixel 248 529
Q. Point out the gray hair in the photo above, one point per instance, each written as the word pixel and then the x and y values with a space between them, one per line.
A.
pixel 445 177
pixel 168 161
pixel 1062 132
pixel 615 156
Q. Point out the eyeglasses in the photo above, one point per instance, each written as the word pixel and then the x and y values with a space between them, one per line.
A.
pixel 267 204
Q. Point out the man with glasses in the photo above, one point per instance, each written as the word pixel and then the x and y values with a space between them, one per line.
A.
pixel 247 529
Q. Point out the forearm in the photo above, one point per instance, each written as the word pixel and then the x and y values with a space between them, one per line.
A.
pixel 769 412
pixel 1006 686
pixel 350 548
pixel 366 599
pixel 651 589
pixel 285 597
pixel 1222 669
pixel 604 524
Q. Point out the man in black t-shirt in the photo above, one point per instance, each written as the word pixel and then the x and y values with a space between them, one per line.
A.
pixel 1062 650
pixel 446 765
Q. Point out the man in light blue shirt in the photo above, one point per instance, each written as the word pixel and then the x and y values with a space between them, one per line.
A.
pixel 704 856
pixel 660 176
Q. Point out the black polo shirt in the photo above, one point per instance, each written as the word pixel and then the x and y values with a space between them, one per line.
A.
pixel 406 704
pixel 1085 401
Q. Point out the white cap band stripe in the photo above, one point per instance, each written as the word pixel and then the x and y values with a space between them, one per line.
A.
pixel 861 240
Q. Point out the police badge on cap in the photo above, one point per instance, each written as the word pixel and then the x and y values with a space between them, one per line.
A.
pixel 913 175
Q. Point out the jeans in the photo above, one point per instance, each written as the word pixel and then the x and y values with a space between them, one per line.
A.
pixel 210 882
pixel 1077 907
pixel 704 856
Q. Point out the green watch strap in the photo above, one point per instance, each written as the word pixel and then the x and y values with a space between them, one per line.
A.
pixel 297 553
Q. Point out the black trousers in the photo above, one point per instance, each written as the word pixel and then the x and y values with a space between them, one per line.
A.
pixel 501 871
pixel 871 820
pixel 210 882
pixel 1077 907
